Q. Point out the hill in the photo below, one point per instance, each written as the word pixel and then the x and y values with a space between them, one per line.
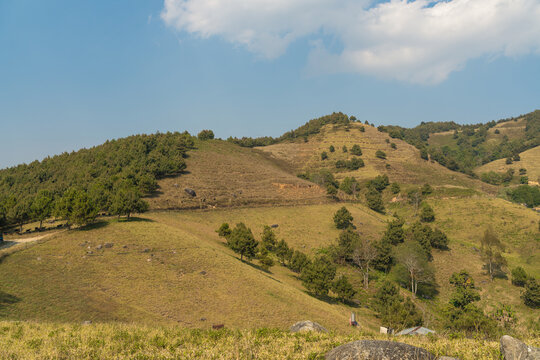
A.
pixel 465 147
pixel 529 160
pixel 402 164
pixel 224 174
pixel 171 267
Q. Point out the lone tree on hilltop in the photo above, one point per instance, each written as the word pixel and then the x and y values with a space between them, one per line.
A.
pixel 206 135
pixel 491 249
pixel 343 218
pixel 242 241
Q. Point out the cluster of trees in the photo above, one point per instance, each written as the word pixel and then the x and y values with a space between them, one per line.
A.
pixel 525 194
pixel 311 127
pixel 470 148
pixel 93 180
pixel 318 275
pixel 352 164
pixel 375 187
pixel 76 205
pixel 497 178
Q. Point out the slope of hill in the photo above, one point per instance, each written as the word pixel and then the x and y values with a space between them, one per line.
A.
pixel 171 267
pixel 224 174
pixel 464 147
pixel 529 160
pixel 402 164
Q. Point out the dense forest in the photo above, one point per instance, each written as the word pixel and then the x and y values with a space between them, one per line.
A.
pixel 111 178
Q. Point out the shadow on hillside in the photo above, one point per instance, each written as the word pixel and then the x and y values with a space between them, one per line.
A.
pixel 135 219
pixel 255 266
pixel 94 226
pixel 7 299
pixel 154 194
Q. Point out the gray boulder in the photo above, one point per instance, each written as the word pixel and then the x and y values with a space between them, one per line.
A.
pixel 378 350
pixel 513 349
pixel 307 325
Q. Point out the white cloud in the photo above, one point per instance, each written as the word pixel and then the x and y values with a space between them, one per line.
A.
pixel 417 41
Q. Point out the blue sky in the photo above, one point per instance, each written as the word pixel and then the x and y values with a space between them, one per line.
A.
pixel 74 74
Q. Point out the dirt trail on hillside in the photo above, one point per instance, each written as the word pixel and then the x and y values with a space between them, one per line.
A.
pixel 9 243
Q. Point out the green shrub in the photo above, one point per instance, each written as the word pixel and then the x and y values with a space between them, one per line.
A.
pixel 380 154
pixel 206 135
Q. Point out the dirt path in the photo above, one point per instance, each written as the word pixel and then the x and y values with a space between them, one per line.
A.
pixel 8 243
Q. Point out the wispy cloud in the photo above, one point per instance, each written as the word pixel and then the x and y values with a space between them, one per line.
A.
pixel 416 41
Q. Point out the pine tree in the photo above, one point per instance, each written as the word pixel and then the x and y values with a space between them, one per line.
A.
pixel 531 295
pixel 243 242
pixel 42 206
pixel 343 289
pixel 427 214
pixel 224 230
pixel 268 238
pixel 343 218
pixel 317 276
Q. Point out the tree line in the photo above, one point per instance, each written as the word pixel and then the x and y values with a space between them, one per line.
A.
pixel 110 178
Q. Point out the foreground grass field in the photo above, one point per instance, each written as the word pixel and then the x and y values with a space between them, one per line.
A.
pixel 24 340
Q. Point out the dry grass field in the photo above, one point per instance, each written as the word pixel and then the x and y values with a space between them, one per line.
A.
pixel 108 341
pixel 223 175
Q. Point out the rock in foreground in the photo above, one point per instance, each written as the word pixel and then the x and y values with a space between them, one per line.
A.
pixel 513 349
pixel 378 350
pixel 307 325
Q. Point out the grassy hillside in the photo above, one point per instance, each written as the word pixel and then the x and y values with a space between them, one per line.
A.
pixel 171 267
pixel 224 174
pixel 402 165
pixel 529 160
pixel 464 220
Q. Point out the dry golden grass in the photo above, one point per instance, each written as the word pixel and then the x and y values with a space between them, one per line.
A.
pixel 530 160
pixel 223 175
pixel 32 341
pixel 405 164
